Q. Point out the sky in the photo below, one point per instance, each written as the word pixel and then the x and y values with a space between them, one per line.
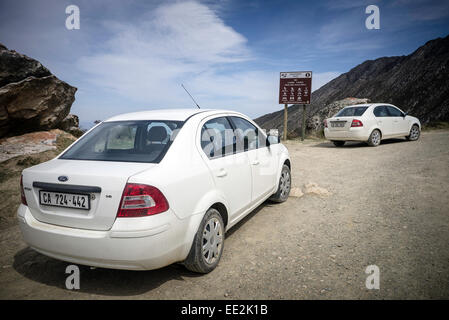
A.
pixel 134 55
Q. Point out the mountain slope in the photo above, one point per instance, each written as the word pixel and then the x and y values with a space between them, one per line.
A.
pixel 417 83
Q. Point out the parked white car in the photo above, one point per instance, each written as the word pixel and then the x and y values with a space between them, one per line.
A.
pixel 144 190
pixel 371 123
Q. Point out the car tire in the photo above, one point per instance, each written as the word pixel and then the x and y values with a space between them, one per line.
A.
pixel 374 138
pixel 211 233
pixel 415 133
pixel 338 143
pixel 285 182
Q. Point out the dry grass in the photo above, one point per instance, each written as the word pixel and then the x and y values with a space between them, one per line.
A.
pixel 435 126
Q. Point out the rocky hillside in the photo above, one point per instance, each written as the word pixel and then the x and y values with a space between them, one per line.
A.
pixel 31 98
pixel 417 83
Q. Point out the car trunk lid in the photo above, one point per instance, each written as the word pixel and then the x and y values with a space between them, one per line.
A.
pixel 340 123
pixel 102 181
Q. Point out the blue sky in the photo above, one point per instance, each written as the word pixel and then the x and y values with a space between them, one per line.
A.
pixel 134 55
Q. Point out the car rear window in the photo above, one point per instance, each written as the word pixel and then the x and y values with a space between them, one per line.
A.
pixel 351 112
pixel 128 141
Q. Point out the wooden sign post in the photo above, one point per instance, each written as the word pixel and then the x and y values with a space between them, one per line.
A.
pixel 303 126
pixel 285 120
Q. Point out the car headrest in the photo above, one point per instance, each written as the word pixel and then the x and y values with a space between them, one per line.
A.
pixel 157 134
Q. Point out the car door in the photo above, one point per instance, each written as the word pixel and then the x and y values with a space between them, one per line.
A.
pixel 400 123
pixel 384 121
pixel 261 157
pixel 231 170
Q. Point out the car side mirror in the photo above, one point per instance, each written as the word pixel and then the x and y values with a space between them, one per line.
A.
pixel 404 114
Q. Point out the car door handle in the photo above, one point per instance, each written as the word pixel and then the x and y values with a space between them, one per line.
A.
pixel 222 173
pixel 255 162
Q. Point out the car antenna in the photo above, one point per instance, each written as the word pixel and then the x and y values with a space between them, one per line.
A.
pixel 190 96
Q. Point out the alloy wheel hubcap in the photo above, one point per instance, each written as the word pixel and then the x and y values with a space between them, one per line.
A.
pixel 212 240
pixel 285 183
pixel 376 137
pixel 414 134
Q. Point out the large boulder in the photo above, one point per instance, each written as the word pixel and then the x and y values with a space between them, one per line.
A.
pixel 31 98
pixel 15 67
pixel 34 104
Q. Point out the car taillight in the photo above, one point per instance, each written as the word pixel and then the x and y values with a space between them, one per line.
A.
pixel 141 200
pixel 356 123
pixel 325 123
pixel 22 192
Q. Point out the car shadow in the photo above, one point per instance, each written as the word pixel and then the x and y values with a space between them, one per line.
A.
pixel 356 144
pixel 109 282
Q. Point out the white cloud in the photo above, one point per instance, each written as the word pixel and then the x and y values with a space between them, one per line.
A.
pixel 183 42
pixel 145 62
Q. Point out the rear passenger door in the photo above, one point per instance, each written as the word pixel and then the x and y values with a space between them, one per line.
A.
pixel 262 159
pixel 384 121
pixel 231 170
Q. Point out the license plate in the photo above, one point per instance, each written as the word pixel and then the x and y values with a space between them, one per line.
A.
pixel 62 199
pixel 338 124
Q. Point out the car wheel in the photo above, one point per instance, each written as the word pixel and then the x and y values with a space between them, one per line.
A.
pixel 285 183
pixel 374 138
pixel 208 244
pixel 414 133
pixel 338 143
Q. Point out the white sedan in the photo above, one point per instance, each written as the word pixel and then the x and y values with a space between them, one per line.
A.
pixel 371 123
pixel 144 190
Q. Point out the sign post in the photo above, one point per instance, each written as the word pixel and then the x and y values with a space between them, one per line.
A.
pixel 285 120
pixel 295 88
pixel 303 126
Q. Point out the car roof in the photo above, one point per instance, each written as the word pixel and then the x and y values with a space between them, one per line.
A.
pixel 165 114
pixel 369 105
pixel 358 105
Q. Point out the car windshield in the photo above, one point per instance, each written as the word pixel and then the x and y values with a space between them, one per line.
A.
pixel 129 141
pixel 352 112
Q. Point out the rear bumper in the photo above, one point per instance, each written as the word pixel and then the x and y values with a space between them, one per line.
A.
pixel 132 243
pixel 354 134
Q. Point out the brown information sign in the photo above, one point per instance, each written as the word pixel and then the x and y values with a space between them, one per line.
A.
pixel 295 87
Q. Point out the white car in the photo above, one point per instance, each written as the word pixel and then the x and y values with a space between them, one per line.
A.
pixel 371 123
pixel 144 190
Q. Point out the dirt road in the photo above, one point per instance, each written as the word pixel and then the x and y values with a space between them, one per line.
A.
pixel 386 206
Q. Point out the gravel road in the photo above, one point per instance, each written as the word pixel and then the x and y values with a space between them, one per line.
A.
pixel 351 207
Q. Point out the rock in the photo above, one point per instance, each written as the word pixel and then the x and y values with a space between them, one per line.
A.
pixel 34 104
pixel 31 98
pixel 70 124
pixel 30 143
pixel 70 121
pixel 313 188
pixel 15 67
pixel 296 192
